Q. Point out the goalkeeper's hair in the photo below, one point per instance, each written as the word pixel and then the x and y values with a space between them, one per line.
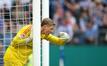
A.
pixel 47 21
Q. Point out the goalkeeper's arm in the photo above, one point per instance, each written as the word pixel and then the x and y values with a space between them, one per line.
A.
pixel 19 41
pixel 56 40
pixel 24 36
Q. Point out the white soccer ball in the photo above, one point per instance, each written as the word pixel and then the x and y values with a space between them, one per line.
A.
pixel 64 35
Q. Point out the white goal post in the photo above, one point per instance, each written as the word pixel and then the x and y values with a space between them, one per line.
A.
pixel 36 33
pixel 45 43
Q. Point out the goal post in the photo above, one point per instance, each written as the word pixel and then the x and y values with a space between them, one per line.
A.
pixel 36 33
pixel 39 13
pixel 45 43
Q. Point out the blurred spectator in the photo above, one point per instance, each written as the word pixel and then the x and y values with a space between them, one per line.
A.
pixel 8 38
pixel 71 21
pixel 7 25
pixel 86 4
pixel 83 19
pixel 7 3
pixel 73 6
pixel 1 45
pixel 1 4
pixel 1 36
pixel 79 35
pixel 96 13
pixel 104 1
pixel 24 1
pixel 58 16
pixel 6 12
pixel 53 5
pixel 14 27
pixel 103 31
pixel 67 25
pixel 91 32
pixel 1 24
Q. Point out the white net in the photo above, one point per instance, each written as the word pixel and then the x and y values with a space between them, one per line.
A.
pixel 13 15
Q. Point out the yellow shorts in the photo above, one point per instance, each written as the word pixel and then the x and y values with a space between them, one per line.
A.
pixel 13 63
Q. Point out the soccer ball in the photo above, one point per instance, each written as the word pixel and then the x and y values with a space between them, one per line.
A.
pixel 64 35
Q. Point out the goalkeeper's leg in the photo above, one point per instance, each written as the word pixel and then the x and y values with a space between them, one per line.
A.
pixel 29 61
pixel 12 63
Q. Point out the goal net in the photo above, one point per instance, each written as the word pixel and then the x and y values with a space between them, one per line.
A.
pixel 14 14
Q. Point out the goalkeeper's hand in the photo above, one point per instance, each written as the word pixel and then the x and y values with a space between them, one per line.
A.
pixel 64 36
pixel 29 38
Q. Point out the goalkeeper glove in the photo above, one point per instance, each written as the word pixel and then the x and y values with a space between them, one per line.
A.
pixel 64 36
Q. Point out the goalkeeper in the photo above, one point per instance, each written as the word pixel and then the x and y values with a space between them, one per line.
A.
pixel 21 45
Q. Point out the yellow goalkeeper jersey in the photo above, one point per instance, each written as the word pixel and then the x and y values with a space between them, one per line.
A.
pixel 19 50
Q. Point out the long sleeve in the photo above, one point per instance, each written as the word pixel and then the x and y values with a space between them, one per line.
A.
pixel 55 39
pixel 18 40
pixel 22 36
